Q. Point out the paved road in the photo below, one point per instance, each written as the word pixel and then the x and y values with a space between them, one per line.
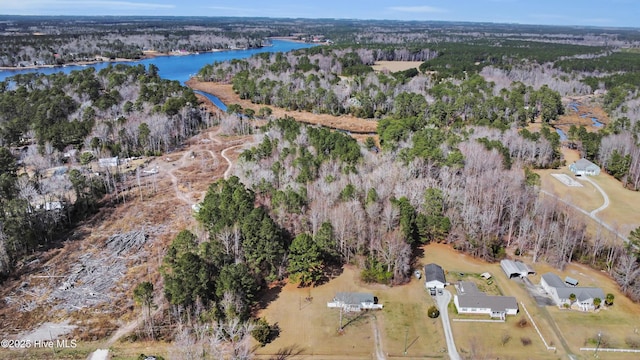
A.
pixel 443 304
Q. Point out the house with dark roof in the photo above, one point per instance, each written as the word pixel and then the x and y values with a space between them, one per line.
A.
pixel 434 277
pixel 561 293
pixel 351 301
pixel 470 300
pixel 516 268
pixel 584 167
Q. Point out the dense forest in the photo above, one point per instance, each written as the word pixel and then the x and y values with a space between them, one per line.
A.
pixel 452 160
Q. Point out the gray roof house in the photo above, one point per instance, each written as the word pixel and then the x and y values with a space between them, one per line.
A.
pixel 470 300
pixel 516 268
pixel 584 167
pixel 434 277
pixel 561 292
pixel 350 301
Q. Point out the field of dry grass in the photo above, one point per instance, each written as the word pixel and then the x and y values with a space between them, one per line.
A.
pixel 311 327
pixel 394 66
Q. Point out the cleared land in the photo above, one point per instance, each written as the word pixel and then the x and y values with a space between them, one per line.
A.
pixel 394 66
pixel 623 209
pixel 344 122
pixel 311 328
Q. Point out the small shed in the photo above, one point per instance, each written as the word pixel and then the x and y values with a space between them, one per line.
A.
pixel 584 167
pixel 571 281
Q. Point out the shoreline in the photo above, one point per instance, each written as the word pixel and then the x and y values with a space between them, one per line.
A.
pixel 149 54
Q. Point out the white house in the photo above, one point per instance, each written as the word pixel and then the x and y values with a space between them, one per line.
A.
pixel 470 300
pixel 561 292
pixel 516 268
pixel 584 167
pixel 350 301
pixel 434 277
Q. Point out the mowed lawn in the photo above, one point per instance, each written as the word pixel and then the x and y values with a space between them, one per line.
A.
pixel 484 340
pixel 310 329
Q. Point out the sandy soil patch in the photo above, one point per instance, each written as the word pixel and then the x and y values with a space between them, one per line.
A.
pixel 394 66
pixel 344 122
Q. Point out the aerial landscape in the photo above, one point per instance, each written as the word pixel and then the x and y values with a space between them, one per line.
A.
pixel 289 180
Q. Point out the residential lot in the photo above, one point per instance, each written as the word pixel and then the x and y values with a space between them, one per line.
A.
pixel 311 329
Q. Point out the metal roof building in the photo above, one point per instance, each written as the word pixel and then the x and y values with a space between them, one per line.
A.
pixel 516 268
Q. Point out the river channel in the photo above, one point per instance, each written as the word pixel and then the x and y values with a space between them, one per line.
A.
pixel 174 67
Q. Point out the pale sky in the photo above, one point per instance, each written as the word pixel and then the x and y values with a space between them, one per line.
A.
pixel 618 13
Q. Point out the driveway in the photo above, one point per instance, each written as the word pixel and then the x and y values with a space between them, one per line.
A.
pixel 443 302
pixel 604 196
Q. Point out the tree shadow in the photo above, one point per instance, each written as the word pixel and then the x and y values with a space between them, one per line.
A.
pixel 331 271
pixel 287 352
pixel 361 316
pixel 416 254
pixel 270 294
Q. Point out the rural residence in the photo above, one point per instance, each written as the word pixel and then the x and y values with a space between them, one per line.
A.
pixel 584 167
pixel 561 292
pixel 350 301
pixel 470 300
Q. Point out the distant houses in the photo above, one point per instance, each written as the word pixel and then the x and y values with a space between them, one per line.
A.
pixel 351 301
pixel 470 300
pixel 561 292
pixel 516 268
pixel 584 167
pixel 434 277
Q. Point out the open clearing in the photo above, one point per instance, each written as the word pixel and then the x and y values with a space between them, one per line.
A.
pixel 394 66
pixel 310 327
pixel 621 214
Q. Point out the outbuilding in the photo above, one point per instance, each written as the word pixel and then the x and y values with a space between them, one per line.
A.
pixel 434 277
pixel 516 268
pixel 571 281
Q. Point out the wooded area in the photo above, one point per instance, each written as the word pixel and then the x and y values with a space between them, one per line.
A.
pixel 452 160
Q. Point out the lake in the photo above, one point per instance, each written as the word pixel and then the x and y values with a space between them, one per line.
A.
pixel 179 67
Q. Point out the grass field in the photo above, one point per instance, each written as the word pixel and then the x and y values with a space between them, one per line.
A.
pixel 623 209
pixel 311 327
